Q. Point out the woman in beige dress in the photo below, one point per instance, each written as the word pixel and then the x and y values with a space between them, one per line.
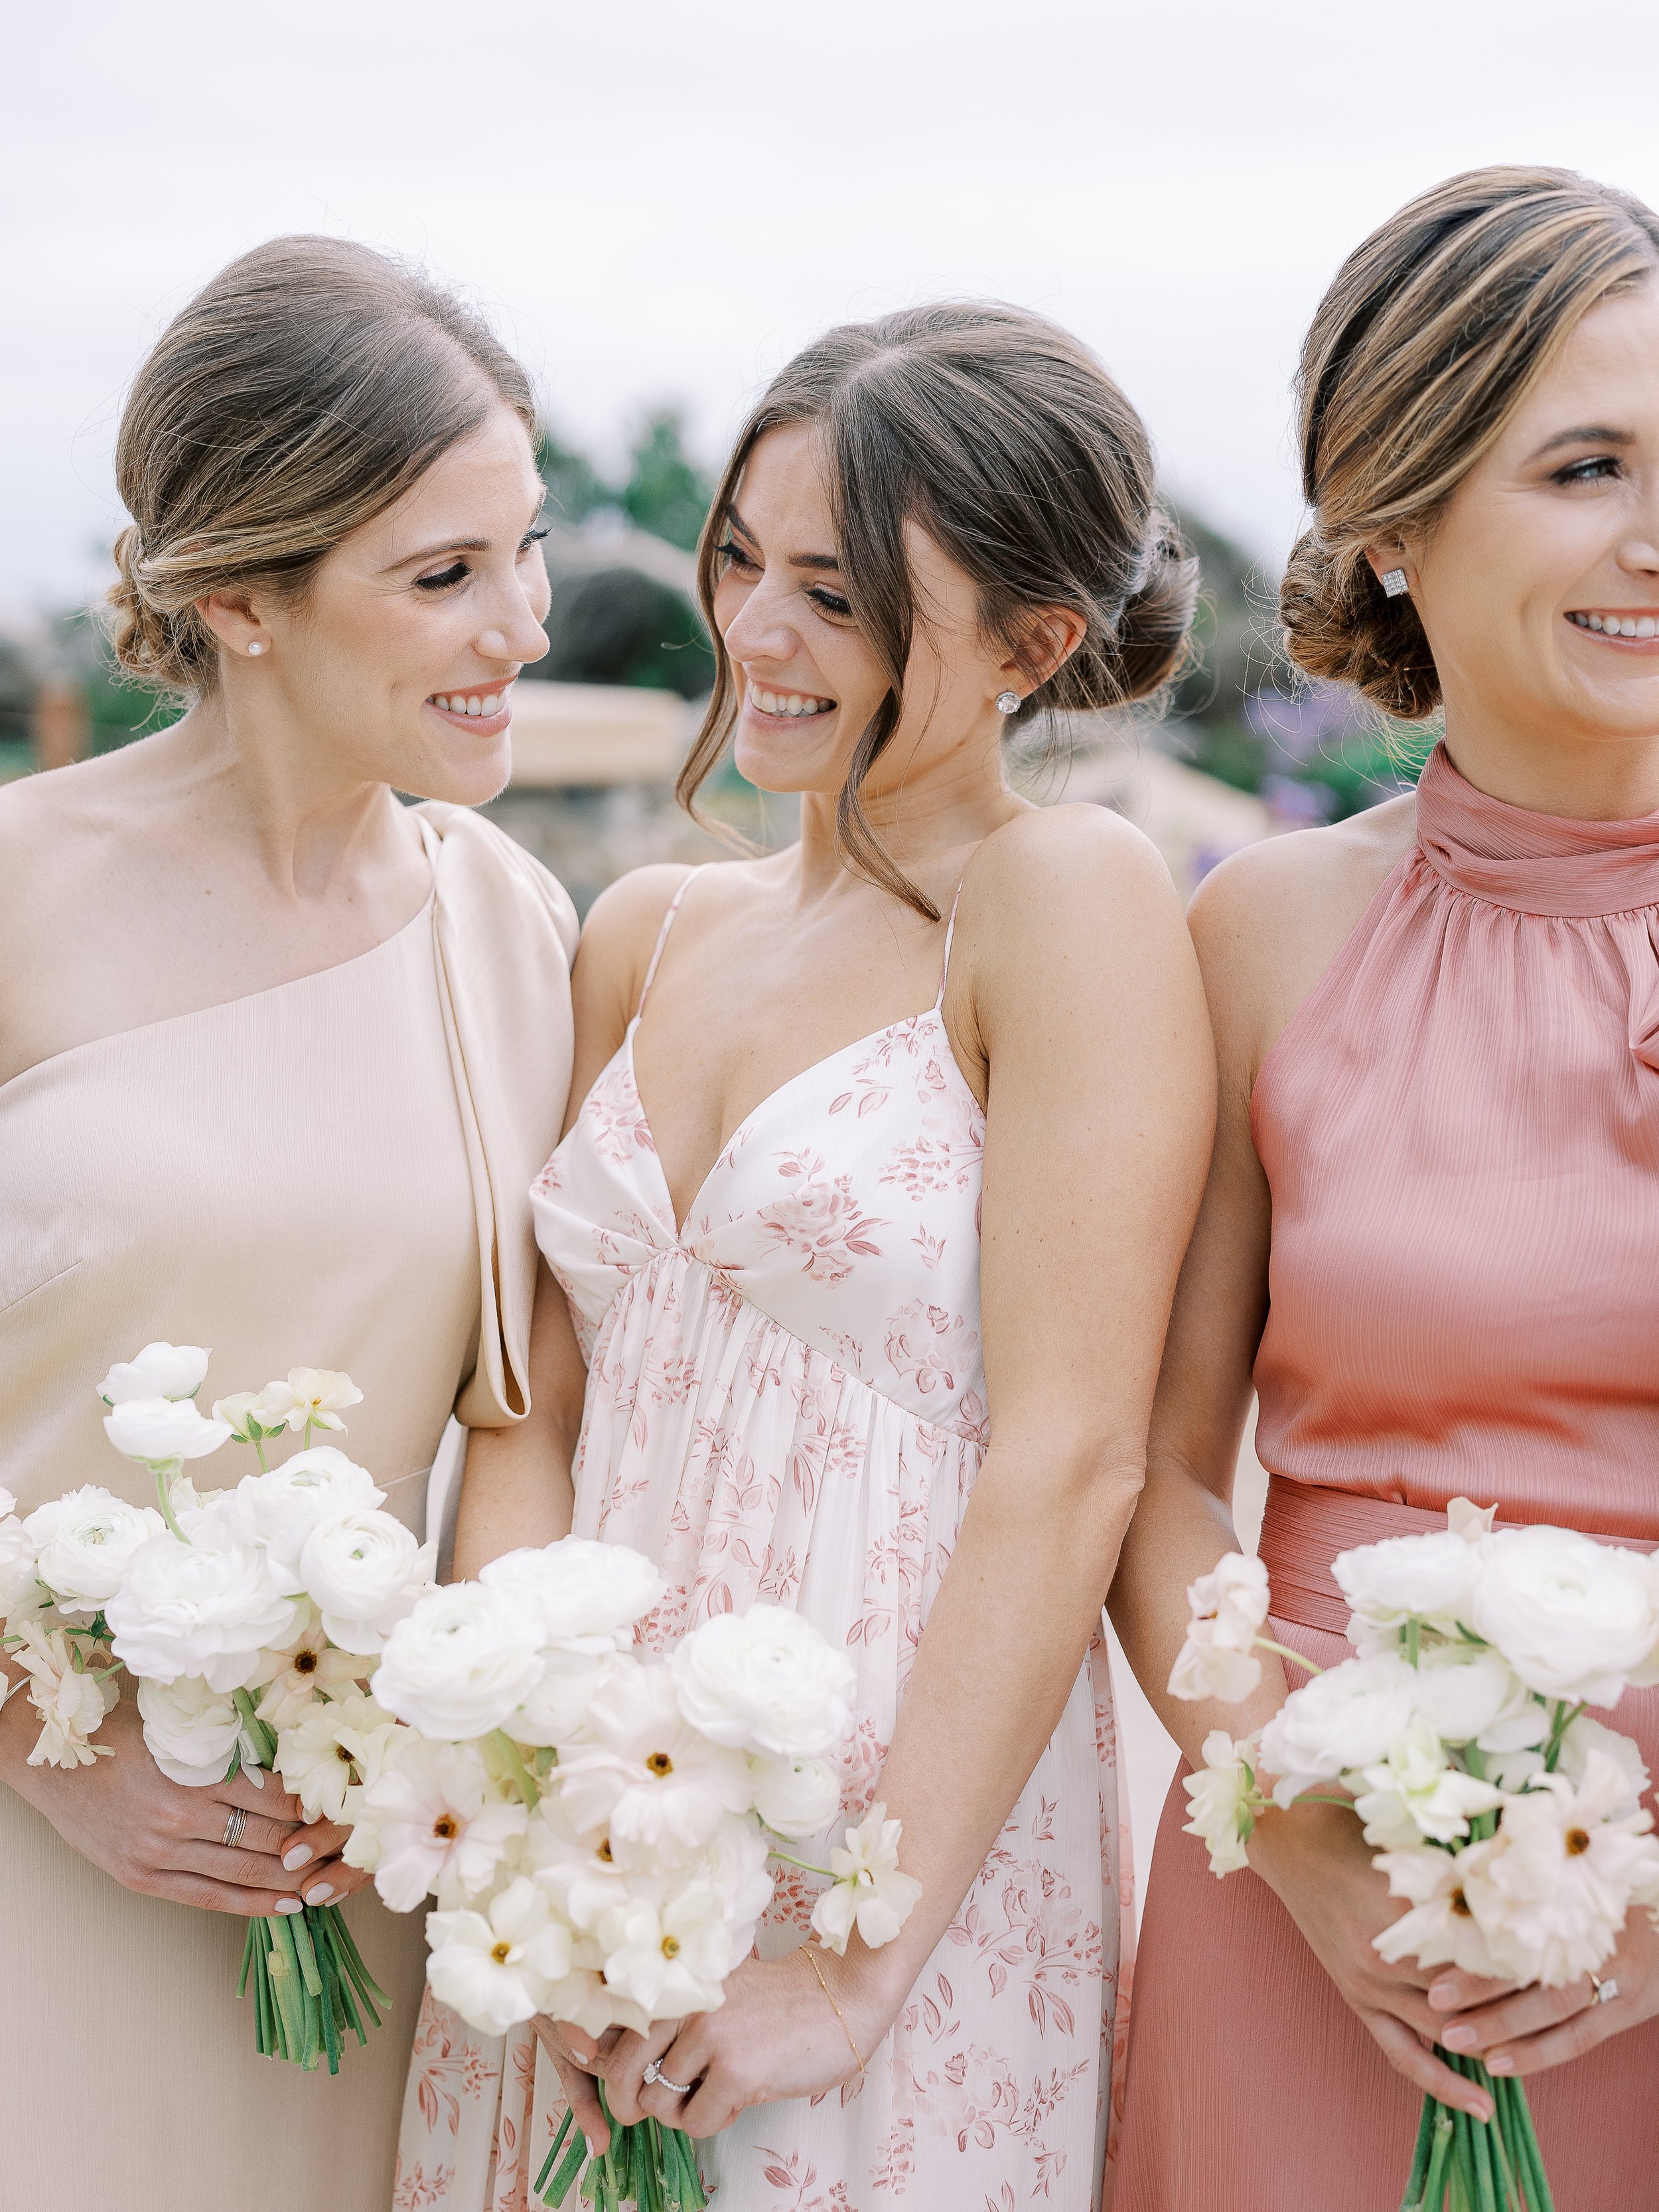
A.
pixel 266 1085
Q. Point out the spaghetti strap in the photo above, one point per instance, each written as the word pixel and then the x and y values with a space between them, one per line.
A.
pixel 662 939
pixel 944 966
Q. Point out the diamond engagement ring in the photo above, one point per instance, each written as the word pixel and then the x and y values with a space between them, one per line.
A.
pixel 234 1827
pixel 654 2074
pixel 1605 1992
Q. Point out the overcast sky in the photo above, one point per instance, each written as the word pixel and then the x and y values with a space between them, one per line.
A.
pixel 658 200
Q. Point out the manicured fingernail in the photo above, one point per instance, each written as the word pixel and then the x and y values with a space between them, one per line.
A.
pixel 300 1855
pixel 1459 2038
pixel 289 1904
pixel 1500 2066
pixel 318 1894
pixel 1443 1995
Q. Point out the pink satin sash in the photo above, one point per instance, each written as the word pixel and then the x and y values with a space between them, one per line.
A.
pixel 1305 1525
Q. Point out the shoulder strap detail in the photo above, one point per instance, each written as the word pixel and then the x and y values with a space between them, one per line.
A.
pixel 944 966
pixel 662 939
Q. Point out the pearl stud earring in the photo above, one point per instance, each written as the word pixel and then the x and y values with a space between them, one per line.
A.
pixel 1394 584
pixel 1008 703
pixel 255 649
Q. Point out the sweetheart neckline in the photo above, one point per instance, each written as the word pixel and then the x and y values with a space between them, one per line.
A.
pixel 873 1037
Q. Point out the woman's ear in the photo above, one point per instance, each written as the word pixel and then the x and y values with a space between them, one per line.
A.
pixel 1051 637
pixel 234 620
pixel 1392 561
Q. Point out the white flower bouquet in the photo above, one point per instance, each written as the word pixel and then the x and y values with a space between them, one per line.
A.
pixel 250 1620
pixel 1510 1820
pixel 594 1822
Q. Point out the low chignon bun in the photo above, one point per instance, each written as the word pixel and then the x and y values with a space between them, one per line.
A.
pixel 1341 627
pixel 1154 632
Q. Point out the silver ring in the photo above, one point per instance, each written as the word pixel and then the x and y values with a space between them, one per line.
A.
pixel 654 2074
pixel 234 1827
pixel 1605 1992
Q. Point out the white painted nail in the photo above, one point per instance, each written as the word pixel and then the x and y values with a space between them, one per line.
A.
pixel 289 1904
pixel 318 1894
pixel 300 1855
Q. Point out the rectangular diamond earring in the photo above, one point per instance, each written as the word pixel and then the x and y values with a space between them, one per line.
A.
pixel 1394 584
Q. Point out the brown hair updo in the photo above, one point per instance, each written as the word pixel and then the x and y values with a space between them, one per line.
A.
pixel 297 396
pixel 1003 438
pixel 1432 333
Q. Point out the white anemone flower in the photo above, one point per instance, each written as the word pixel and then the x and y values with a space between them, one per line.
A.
pixel 869 1891
pixel 160 1430
pixel 500 1966
pixel 83 1541
pixel 430 1823
pixel 580 1874
pixel 306 1668
pixel 1440 1929
pixel 311 1397
pixel 586 1596
pixel 1416 1793
pixel 72 1703
pixel 160 1371
pixel 1220 1796
pixel 642 1775
pixel 339 1744
pixel 672 1958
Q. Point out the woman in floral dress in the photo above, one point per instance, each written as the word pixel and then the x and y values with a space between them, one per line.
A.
pixel 888 1148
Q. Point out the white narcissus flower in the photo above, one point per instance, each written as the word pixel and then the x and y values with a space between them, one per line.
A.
pixel 672 1958
pixel 205 1606
pixel 1440 1929
pixel 578 1874
pixel 192 1731
pixel 1344 1717
pixel 306 1667
pixel 869 1891
pixel 159 1430
pixel 281 1506
pixel 1220 1797
pixel 429 1823
pixel 764 1681
pixel 1551 1888
pixel 642 1775
pixel 1468 1694
pixel 339 1744
pixel 1416 1793
pixel 364 1572
pixel 458 1664
pixel 1429 1578
pixel 310 1398
pixel 588 1596
pixel 83 1541
pixel 795 1797
pixel 1229 1608
pixel 19 1583
pixel 498 1966
pixel 1575 1618
pixel 71 1704
pixel 160 1371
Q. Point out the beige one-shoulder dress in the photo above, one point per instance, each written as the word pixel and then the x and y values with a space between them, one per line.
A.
pixel 333 1173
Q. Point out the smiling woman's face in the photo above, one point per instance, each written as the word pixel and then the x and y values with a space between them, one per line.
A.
pixel 400 658
pixel 808 681
pixel 1539 586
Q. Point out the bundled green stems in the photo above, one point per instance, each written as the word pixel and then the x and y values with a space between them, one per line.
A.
pixel 1460 2165
pixel 648 2165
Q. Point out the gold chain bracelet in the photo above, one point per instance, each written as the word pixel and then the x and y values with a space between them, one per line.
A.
pixel 812 1962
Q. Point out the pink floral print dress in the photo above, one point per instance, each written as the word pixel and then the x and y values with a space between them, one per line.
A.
pixel 785 1401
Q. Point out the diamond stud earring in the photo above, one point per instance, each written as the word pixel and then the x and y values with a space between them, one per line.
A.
pixel 1394 584
pixel 255 649
pixel 1008 703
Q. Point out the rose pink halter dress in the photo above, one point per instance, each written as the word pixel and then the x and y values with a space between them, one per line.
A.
pixel 785 1402
pixel 1460 1127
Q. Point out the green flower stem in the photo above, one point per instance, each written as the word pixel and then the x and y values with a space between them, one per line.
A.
pixel 1420 2156
pixel 1266 1644
pixel 523 1780
pixel 165 1470
pixel 263 1735
pixel 807 1866
pixel 1566 1715
pixel 1434 2186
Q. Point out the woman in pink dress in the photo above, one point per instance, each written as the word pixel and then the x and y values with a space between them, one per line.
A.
pixel 828 1363
pixel 1432 1224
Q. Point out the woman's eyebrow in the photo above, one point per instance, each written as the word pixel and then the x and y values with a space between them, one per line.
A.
pixel 1587 434
pixel 450 545
pixel 796 559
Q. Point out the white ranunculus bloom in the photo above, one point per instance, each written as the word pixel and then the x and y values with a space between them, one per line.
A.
pixel 670 1958
pixel 460 1662
pixel 280 1507
pixel 588 1596
pixel 1582 1736
pixel 339 1743
pixel 71 1702
pixel 555 1708
pixel 765 1681
pixel 18 1580
pixel 430 1823
pixel 160 1371
pixel 642 1775
pixel 83 1541
pixel 1431 1578
pixel 498 1966
pixel 311 1397
pixel 205 1606
pixel 192 1731
pixel 1219 1798
pixel 738 1863
pixel 1229 1609
pixel 1575 1618
pixel 796 1798
pixel 1344 1717
pixel 8 1502
pixel 1417 1793
pixel 290 1680
pixel 364 1572
pixel 159 1430
pixel 1551 1890
pixel 1440 1929
pixel 1205 1668
pixel 869 1891
pixel 1468 1694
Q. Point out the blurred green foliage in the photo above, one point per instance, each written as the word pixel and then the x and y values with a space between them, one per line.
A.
pixel 665 492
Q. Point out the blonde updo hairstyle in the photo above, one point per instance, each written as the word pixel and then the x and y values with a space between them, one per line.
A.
pixel 1003 438
pixel 1432 333
pixel 298 396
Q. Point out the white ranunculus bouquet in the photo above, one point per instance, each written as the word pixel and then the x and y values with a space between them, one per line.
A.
pixel 249 1619
pixel 1509 1821
pixel 594 1823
